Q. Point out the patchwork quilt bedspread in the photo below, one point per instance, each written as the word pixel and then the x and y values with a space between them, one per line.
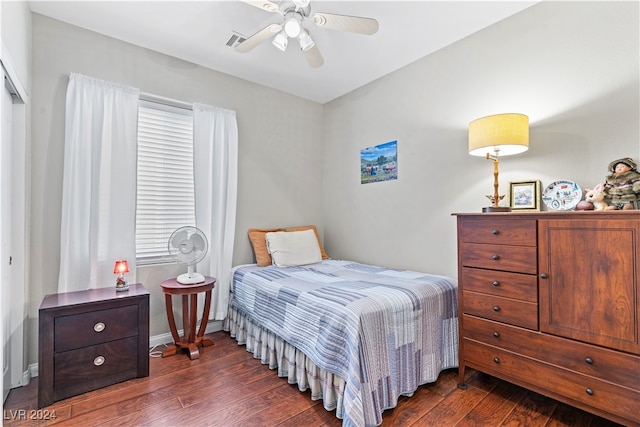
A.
pixel 384 331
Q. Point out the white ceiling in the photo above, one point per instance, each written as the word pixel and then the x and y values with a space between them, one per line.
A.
pixel 197 31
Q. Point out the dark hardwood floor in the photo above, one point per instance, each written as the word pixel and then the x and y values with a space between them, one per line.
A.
pixel 227 387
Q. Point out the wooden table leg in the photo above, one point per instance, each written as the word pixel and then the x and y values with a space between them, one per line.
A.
pixel 205 341
pixel 190 332
pixel 172 349
pixel 186 317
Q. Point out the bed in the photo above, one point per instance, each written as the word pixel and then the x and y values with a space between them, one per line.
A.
pixel 358 336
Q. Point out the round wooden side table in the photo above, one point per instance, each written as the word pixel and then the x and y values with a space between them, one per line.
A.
pixel 191 339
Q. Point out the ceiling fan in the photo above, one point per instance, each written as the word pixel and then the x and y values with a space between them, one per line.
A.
pixel 295 14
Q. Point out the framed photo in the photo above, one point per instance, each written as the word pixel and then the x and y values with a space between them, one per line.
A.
pixel 524 195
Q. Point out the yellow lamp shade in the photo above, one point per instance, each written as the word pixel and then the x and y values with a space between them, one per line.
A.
pixel 505 134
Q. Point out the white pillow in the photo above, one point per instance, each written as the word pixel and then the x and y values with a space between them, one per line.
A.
pixel 293 248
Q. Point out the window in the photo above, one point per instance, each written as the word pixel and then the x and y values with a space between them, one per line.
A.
pixel 165 192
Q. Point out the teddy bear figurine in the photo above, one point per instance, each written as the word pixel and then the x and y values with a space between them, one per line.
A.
pixel 622 185
pixel 596 198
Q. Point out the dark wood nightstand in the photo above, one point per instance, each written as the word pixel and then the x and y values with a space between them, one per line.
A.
pixel 91 339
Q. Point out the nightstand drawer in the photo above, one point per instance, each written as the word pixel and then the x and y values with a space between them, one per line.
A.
pixel 555 381
pixel 84 329
pixel 81 369
pixel 517 259
pixel 501 283
pixel 498 231
pixel 512 311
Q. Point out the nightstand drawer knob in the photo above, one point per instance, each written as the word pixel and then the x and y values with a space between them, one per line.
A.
pixel 589 392
pixel 496 334
pixel 589 360
pixel 496 283
pixel 496 308
pixel 98 360
pixel 495 257
pixel 99 327
pixel 495 232
pixel 496 360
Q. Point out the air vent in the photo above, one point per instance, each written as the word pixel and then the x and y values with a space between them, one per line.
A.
pixel 236 39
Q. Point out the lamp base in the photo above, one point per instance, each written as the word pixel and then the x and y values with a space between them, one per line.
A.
pixel 121 284
pixel 496 209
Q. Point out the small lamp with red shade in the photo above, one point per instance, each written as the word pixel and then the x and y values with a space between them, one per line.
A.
pixel 120 268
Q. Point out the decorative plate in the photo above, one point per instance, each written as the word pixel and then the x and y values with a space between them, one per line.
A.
pixel 562 195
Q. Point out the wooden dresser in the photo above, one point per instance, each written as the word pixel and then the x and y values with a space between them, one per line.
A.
pixel 91 339
pixel 551 302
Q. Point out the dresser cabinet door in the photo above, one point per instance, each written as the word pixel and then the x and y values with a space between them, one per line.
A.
pixel 589 291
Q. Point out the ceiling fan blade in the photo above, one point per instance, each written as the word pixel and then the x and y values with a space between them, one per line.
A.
pixel 258 38
pixel 314 57
pixel 267 5
pixel 353 24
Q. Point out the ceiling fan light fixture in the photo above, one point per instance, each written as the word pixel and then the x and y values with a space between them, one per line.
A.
pixel 292 25
pixel 280 41
pixel 306 42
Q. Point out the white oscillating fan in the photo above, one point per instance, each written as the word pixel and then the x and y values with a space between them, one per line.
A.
pixel 188 245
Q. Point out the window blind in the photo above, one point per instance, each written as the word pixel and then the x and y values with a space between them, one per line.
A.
pixel 165 190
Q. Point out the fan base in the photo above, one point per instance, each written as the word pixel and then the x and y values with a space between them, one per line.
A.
pixel 190 279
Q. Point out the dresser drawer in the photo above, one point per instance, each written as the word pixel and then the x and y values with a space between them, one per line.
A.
pixel 609 365
pixel 512 311
pixel 517 259
pixel 500 283
pixel 95 363
pixel 85 329
pixel 555 382
pixel 498 231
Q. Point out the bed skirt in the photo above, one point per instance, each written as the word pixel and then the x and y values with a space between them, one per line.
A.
pixel 288 360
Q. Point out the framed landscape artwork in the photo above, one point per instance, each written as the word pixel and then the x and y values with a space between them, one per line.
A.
pixel 379 163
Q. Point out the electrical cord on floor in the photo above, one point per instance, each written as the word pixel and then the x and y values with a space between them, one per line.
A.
pixel 156 353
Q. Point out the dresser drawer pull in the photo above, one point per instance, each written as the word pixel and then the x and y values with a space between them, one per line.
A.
pixel 495 232
pixel 496 334
pixel 589 392
pixel 589 360
pixel 495 257
pixel 496 283
pixel 543 276
pixel 496 308
pixel 99 327
pixel 98 360
pixel 496 360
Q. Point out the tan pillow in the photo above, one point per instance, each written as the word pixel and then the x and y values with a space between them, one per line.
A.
pixel 259 242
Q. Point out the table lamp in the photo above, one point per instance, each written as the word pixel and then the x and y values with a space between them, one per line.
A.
pixel 120 268
pixel 492 136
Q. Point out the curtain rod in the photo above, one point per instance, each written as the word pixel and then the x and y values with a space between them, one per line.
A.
pixel 166 101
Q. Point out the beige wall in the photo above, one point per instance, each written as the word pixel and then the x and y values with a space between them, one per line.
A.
pixel 280 146
pixel 573 67
pixel 15 23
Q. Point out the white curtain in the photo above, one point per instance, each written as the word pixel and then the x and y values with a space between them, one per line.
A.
pixel 215 139
pixel 99 183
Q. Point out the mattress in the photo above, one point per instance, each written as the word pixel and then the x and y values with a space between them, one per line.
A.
pixel 365 334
